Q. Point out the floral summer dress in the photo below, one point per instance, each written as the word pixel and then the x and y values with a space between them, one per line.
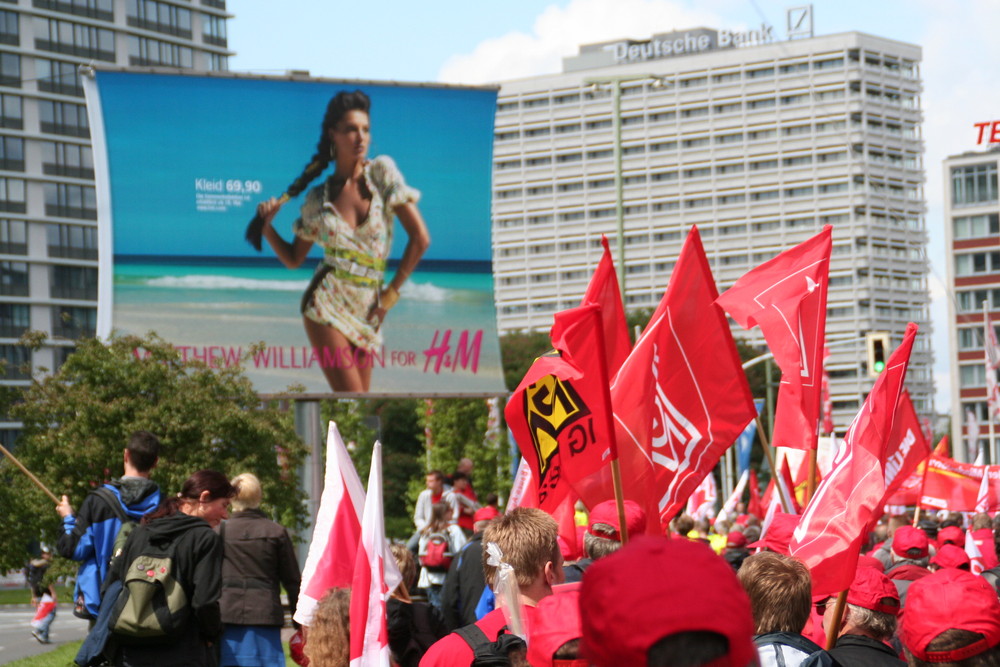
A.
pixel 348 280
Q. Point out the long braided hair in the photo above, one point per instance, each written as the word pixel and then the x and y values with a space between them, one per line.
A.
pixel 338 107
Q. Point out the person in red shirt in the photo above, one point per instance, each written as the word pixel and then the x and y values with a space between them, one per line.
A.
pixel 527 538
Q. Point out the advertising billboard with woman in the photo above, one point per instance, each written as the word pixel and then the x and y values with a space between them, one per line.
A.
pixel 368 263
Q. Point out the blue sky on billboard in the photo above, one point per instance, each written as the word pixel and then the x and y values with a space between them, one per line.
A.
pixel 259 134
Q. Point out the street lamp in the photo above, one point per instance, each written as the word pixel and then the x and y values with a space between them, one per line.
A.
pixel 615 82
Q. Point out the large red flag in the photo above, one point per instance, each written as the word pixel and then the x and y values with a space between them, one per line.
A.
pixel 829 535
pixel 786 297
pixel 560 413
pixel 954 486
pixel 603 291
pixel 337 530
pixel 681 398
pixel 373 578
pixel 907 447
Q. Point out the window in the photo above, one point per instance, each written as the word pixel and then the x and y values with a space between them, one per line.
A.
pixel 566 99
pixel 760 73
pixel 600 183
pixel 95 9
pixel 728 77
pixel 13 237
pixel 731 199
pixel 699 172
pixel 695 143
pixel 766 226
pixel 567 128
pixel 598 124
pixel 804 191
pixel 976 226
pixel 213 30
pixel 797 161
pixel 974 184
pixel 63 118
pixel 72 241
pixel 695 112
pixel 507 136
pixel 763 164
pixel 662 116
pixel 540 190
pixel 971 301
pixel 975 263
pixel 172 20
pixel 18 362
pixel 12 195
pixel 73 282
pixel 145 51
pixel 538 132
pixel 56 76
pixel 660 176
pixel 11 111
pixel 73 322
pixel 74 39
pixel 597 155
pixel 795 130
pixel 73 160
pixel 634 150
pixel 509 164
pixel 70 201
pixel 11 153
pixel 9 32
pixel 972 376
pixel 832 63
pixel 765 103
pixel 732 107
pixel 793 68
pixel 15 319
pixel 734 168
pixel 570 157
pixel 13 279
pixel 10 70
pixel 764 195
pixel 733 138
pixel 507 106
pixel 570 187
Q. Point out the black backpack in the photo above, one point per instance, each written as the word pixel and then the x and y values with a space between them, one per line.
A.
pixel 486 653
pixel 992 577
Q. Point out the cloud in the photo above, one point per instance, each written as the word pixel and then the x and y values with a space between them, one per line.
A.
pixel 559 31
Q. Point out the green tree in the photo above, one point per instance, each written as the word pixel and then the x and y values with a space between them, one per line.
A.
pixel 519 349
pixel 77 422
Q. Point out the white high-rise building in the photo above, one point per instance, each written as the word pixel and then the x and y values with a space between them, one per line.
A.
pixel 760 145
pixel 48 210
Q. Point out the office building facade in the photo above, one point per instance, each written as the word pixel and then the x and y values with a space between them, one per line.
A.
pixel 972 239
pixel 759 143
pixel 48 211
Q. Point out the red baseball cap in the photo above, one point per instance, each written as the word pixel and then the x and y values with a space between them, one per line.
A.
pixel 951 556
pixel 655 587
pixel 870 588
pixel 908 537
pixel 951 535
pixel 736 540
pixel 607 513
pixel 556 621
pixel 949 599
pixel 779 533
pixel 870 561
pixel 487 513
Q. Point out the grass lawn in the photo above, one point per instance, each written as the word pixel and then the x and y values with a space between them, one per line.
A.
pixel 23 595
pixel 63 657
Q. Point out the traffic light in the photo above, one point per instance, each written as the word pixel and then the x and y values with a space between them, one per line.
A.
pixel 878 351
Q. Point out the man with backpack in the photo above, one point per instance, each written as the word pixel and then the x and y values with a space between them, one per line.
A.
pixel 89 535
pixel 527 538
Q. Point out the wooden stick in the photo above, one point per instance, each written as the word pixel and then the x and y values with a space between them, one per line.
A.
pixel 616 480
pixel 838 615
pixel 774 470
pixel 30 476
pixel 811 482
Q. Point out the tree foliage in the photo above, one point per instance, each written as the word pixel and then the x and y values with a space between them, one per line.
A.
pixel 78 420
pixel 519 349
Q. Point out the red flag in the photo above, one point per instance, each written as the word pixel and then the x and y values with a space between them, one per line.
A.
pixel 955 486
pixel 603 291
pixel 907 447
pixel 943 449
pixel 755 506
pixel 372 580
pixel 829 535
pixel 701 502
pixel 560 413
pixel 681 398
pixel 337 530
pixel 786 297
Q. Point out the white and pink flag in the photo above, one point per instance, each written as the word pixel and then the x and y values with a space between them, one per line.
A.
pixel 375 577
pixel 336 532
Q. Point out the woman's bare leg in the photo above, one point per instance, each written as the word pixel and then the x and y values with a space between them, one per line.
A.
pixel 345 375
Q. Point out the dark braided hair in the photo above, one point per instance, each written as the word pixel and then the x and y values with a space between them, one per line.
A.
pixel 338 107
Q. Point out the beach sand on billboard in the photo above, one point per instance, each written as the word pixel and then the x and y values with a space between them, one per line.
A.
pixel 221 312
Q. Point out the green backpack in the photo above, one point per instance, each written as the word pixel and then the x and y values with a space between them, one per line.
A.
pixel 152 604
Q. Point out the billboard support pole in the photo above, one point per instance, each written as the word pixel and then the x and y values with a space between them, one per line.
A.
pixel 308 426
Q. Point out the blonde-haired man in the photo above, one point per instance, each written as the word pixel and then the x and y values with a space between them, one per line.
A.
pixel 527 537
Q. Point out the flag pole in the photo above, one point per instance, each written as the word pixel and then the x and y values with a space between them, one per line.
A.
pixel 990 383
pixel 616 474
pixel 923 480
pixel 811 481
pixel 838 615
pixel 770 461
pixel 30 476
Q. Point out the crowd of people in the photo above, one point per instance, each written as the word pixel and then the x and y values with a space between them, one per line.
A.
pixel 507 588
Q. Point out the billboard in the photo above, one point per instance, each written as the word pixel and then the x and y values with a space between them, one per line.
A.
pixel 184 160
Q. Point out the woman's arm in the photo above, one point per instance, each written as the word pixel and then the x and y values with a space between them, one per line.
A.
pixel 418 240
pixel 290 254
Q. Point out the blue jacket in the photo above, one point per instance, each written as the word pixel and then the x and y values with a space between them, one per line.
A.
pixel 89 536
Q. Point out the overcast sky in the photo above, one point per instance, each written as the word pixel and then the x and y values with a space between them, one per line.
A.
pixel 480 41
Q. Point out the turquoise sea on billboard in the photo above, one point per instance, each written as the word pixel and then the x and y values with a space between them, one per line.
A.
pixel 186 158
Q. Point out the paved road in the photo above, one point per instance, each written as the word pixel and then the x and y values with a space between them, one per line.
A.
pixel 16 641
